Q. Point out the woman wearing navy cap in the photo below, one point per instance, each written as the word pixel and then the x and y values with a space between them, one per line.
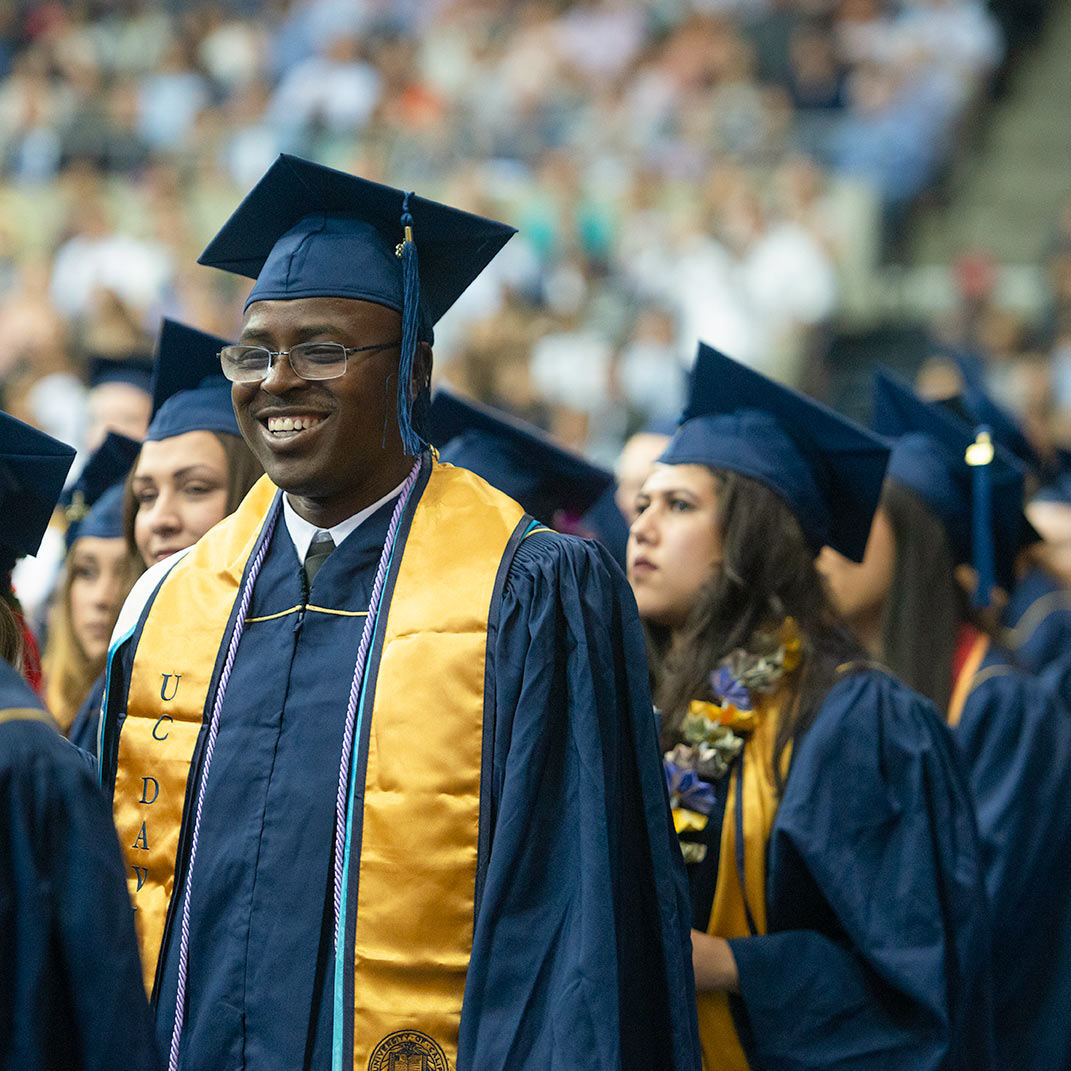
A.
pixel 98 575
pixel 191 471
pixel 837 896
pixel 194 466
pixel 951 511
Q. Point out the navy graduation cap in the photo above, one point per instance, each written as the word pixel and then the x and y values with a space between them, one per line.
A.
pixel 972 484
pixel 134 371
pixel 979 408
pixel 306 230
pixel 94 502
pixel 33 467
pixel 189 391
pixel 827 469
pixel 514 456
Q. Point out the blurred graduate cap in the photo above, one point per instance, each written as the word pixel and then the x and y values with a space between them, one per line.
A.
pixel 971 483
pixel 977 407
pixel 132 371
pixel 189 391
pixel 516 457
pixel 33 467
pixel 306 230
pixel 94 502
pixel 827 469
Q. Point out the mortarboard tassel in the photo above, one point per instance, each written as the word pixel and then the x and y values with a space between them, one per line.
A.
pixel 411 441
pixel 980 458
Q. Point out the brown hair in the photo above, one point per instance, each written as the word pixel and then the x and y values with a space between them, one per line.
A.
pixel 767 573
pixel 925 605
pixel 10 636
pixel 243 470
pixel 69 672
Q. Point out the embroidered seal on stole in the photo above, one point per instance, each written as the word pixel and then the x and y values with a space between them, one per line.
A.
pixel 408 1050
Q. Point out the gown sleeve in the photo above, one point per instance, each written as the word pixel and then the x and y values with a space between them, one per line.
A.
pixel 71 977
pixel 581 952
pixel 1015 737
pixel 878 950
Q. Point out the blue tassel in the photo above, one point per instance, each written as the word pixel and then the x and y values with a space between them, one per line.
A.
pixel 411 441
pixel 980 460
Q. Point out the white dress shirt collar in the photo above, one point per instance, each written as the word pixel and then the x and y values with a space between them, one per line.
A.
pixel 302 532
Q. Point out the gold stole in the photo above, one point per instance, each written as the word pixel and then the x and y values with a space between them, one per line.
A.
pixel 420 827
pixel 721 1046
pixel 172 671
pixel 422 786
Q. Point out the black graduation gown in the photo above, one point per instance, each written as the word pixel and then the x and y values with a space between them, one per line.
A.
pixel 71 994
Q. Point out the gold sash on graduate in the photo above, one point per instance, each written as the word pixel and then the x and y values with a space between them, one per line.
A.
pixel 720 1043
pixel 172 671
pixel 419 824
pixel 416 889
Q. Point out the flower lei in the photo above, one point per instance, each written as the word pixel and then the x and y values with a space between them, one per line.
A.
pixel 714 730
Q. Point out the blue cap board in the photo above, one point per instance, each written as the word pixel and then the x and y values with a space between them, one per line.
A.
pixel 977 406
pixel 133 371
pixel 827 469
pixel 94 502
pixel 306 230
pixel 516 457
pixel 979 504
pixel 189 391
pixel 33 467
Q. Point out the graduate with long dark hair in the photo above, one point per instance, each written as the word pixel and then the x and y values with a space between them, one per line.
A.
pixel 948 529
pixel 838 908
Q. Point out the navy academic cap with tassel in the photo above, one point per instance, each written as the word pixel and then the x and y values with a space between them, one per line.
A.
pixel 306 230
pixel 94 502
pixel 826 468
pixel 971 484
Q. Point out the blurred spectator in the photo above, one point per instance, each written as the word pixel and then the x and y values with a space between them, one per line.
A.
pixel 169 99
pixel 97 257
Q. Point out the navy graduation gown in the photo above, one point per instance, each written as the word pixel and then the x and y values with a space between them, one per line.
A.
pixel 876 954
pixel 83 732
pixel 1037 621
pixel 581 954
pixel 71 995
pixel 1015 737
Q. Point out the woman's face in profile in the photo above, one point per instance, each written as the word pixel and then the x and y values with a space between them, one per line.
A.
pixel 675 542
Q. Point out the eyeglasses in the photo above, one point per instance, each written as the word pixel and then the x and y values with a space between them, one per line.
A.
pixel 309 360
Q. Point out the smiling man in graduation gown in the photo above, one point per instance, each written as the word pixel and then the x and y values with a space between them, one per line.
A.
pixel 393 799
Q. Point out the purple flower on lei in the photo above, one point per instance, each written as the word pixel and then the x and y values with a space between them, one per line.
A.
pixel 688 790
pixel 728 690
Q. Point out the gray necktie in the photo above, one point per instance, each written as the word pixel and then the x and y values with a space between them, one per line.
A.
pixel 322 544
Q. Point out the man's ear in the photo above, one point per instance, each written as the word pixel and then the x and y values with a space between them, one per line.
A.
pixel 422 365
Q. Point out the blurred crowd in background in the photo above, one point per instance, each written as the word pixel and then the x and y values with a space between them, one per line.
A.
pixel 678 169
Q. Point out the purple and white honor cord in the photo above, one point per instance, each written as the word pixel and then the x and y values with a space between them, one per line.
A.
pixel 341 800
pixel 210 747
pixel 347 741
